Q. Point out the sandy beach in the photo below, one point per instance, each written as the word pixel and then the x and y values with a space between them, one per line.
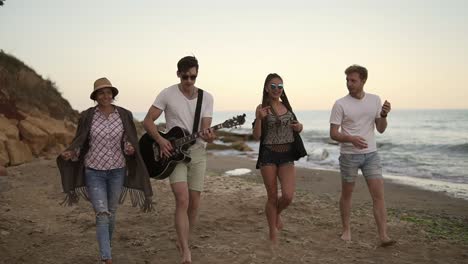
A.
pixel 430 227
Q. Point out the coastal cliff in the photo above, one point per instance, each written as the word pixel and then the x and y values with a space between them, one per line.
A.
pixel 35 120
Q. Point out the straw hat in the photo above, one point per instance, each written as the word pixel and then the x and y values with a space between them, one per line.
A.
pixel 103 83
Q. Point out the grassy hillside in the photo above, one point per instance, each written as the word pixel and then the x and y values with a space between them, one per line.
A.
pixel 22 89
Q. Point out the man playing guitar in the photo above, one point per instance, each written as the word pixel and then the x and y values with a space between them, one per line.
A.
pixel 178 102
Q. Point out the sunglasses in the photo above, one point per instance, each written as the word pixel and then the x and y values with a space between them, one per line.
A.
pixel 274 86
pixel 191 77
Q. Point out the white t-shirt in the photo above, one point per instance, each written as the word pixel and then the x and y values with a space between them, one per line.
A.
pixel 356 117
pixel 180 111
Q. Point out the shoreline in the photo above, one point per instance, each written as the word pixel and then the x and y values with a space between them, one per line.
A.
pixel 328 182
pixel 451 189
pixel 402 165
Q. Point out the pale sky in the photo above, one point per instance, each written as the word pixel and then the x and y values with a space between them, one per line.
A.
pixel 416 51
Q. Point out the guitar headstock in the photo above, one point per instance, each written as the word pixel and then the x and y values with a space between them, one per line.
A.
pixel 235 121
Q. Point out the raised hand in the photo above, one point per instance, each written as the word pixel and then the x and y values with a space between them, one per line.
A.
pixel 386 107
pixel 262 112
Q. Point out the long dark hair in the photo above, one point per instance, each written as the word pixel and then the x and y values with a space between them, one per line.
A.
pixel 283 97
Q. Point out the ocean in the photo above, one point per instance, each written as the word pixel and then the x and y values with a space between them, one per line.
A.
pixel 424 148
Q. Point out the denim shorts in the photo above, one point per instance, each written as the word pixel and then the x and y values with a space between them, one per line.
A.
pixel 369 164
pixel 277 155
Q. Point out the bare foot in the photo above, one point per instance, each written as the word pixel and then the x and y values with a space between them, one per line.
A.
pixel 279 222
pixel 273 245
pixel 273 235
pixel 346 236
pixel 186 257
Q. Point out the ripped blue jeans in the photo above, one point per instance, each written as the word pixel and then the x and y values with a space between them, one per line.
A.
pixel 104 188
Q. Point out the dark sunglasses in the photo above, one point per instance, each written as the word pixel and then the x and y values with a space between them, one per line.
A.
pixel 191 77
pixel 274 86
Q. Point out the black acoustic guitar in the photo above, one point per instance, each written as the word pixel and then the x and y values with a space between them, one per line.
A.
pixel 160 168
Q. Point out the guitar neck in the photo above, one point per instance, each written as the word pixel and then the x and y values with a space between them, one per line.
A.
pixel 187 139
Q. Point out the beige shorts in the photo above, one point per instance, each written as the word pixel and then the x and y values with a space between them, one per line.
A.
pixel 193 173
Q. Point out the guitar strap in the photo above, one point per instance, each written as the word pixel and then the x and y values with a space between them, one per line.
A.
pixel 197 111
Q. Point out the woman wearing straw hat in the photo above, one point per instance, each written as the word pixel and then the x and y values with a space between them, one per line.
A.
pixel 103 163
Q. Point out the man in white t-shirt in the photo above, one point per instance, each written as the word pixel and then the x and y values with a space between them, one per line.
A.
pixel 178 102
pixel 358 114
